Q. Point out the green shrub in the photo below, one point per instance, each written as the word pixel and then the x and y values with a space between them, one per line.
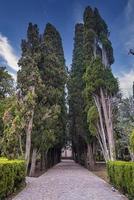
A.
pixel 12 176
pixel 121 175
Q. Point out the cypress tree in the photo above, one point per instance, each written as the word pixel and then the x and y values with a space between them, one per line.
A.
pixel 78 123
pixel 78 104
pixel 89 35
pixel 28 81
pixel 101 85
pixel 53 73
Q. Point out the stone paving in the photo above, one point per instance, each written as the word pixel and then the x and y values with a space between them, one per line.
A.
pixel 68 181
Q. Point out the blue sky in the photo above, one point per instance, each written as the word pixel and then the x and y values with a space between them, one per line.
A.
pixel 15 16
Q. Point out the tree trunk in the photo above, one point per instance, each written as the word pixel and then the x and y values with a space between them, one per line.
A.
pixel 132 156
pixel 28 136
pixel 90 157
pixel 59 155
pixel 20 143
pixel 43 163
pixel 103 146
pixel 108 122
pixel 33 162
pixel 55 155
pixel 28 141
pixel 78 154
pixel 101 129
pixel 94 149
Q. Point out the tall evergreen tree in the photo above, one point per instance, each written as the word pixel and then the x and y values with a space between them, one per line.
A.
pixel 39 111
pixel 76 101
pixel 53 73
pixel 77 104
pixel 75 86
pixel 28 81
pixel 100 83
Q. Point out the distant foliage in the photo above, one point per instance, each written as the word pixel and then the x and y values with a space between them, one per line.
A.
pixel 7 89
pixel 6 83
pixel 123 126
pixel 13 125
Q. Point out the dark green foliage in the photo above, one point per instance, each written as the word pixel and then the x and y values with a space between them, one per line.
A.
pixel 121 175
pixel 108 47
pixel 53 65
pixel 92 118
pixel 100 25
pixel 75 85
pixel 89 18
pixel 95 28
pixel 28 75
pixel 53 73
pixel 88 35
pixel 77 116
pixel 102 32
pixel 97 76
pixel 12 176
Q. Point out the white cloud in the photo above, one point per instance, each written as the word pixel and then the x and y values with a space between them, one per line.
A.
pixel 126 80
pixel 7 53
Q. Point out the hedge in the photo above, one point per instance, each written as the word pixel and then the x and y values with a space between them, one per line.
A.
pixel 121 175
pixel 12 176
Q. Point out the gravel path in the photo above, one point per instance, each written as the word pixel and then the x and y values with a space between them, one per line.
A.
pixel 68 181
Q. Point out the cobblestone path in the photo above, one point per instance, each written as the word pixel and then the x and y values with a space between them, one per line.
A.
pixel 68 181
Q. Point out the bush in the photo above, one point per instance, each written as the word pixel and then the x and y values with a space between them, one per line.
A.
pixel 121 175
pixel 12 176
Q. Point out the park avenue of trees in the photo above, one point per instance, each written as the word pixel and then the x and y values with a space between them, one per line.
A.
pixel 38 118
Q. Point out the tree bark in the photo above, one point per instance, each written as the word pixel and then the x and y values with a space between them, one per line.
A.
pixel 20 143
pixel 33 162
pixel 91 163
pixel 43 163
pixel 28 140
pixel 78 154
pixel 101 142
pixel 28 136
pixel 108 123
pixel 101 129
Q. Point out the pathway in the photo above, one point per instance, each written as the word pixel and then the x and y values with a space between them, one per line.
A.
pixel 68 181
